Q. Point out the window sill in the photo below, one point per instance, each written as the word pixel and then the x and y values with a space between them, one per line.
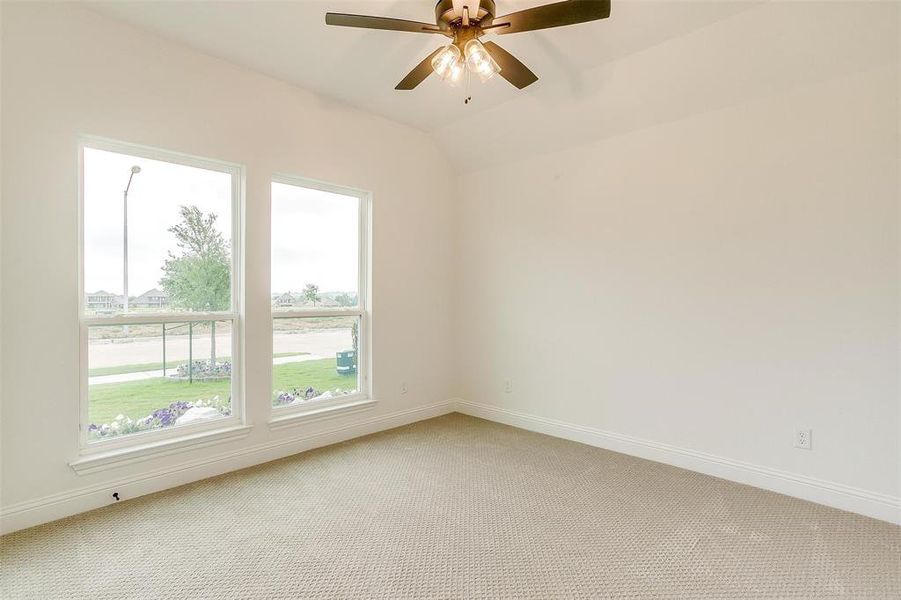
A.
pixel 133 454
pixel 317 413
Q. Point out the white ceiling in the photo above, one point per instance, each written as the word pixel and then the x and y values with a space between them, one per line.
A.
pixel 290 41
pixel 651 61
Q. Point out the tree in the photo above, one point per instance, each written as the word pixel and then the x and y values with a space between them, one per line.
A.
pixel 311 293
pixel 345 299
pixel 199 278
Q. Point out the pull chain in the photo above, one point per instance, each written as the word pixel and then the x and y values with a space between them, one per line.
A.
pixel 466 88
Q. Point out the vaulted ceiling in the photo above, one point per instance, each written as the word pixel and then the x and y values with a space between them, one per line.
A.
pixel 596 79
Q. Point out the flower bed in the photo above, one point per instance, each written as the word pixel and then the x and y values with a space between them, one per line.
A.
pixel 203 370
pixel 310 394
pixel 160 418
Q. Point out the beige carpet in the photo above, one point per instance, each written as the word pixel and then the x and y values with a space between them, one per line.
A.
pixel 457 507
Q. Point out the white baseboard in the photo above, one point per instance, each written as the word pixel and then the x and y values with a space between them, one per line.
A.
pixel 870 504
pixel 49 508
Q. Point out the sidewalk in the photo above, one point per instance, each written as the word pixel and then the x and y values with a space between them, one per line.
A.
pixel 124 377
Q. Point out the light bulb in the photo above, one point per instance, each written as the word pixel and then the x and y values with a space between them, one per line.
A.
pixel 456 72
pixel 479 61
pixel 443 62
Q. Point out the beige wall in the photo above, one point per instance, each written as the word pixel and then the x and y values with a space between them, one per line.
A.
pixel 709 282
pixel 68 71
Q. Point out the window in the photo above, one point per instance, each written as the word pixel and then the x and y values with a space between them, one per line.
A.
pixel 319 318
pixel 160 319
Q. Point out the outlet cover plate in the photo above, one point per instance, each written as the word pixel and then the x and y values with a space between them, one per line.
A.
pixel 803 438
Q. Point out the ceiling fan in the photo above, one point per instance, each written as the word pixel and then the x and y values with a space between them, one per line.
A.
pixel 475 19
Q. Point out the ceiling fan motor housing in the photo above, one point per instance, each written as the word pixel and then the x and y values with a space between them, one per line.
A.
pixel 446 17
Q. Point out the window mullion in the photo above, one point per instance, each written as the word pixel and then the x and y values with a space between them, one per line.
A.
pixel 148 318
pixel 299 314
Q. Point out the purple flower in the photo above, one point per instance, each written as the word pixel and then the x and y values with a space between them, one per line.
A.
pixel 284 398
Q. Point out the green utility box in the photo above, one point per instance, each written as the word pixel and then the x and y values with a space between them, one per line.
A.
pixel 347 362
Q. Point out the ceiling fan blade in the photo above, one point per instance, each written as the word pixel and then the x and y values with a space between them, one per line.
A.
pixel 558 14
pixel 386 23
pixel 511 68
pixel 419 73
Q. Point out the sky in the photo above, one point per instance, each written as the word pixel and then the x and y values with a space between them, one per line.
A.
pixel 314 233
pixel 314 239
pixel 154 199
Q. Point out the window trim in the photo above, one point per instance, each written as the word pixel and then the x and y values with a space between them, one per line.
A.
pixel 138 442
pixel 110 458
pixel 285 416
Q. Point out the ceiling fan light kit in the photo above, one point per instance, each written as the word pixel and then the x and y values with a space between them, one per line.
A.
pixel 466 52
pixel 448 64
pixel 479 61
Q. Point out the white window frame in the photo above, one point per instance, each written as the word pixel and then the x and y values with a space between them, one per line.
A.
pixel 157 441
pixel 362 398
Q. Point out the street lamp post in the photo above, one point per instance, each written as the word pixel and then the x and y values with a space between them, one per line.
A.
pixel 134 171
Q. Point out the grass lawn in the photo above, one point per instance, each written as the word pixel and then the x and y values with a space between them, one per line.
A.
pixel 158 366
pixel 319 374
pixel 137 399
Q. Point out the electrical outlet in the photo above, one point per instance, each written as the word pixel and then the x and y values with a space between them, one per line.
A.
pixel 403 387
pixel 803 438
pixel 508 386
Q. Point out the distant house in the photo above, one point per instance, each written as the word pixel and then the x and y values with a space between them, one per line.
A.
pixel 154 298
pixel 286 299
pixel 102 299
